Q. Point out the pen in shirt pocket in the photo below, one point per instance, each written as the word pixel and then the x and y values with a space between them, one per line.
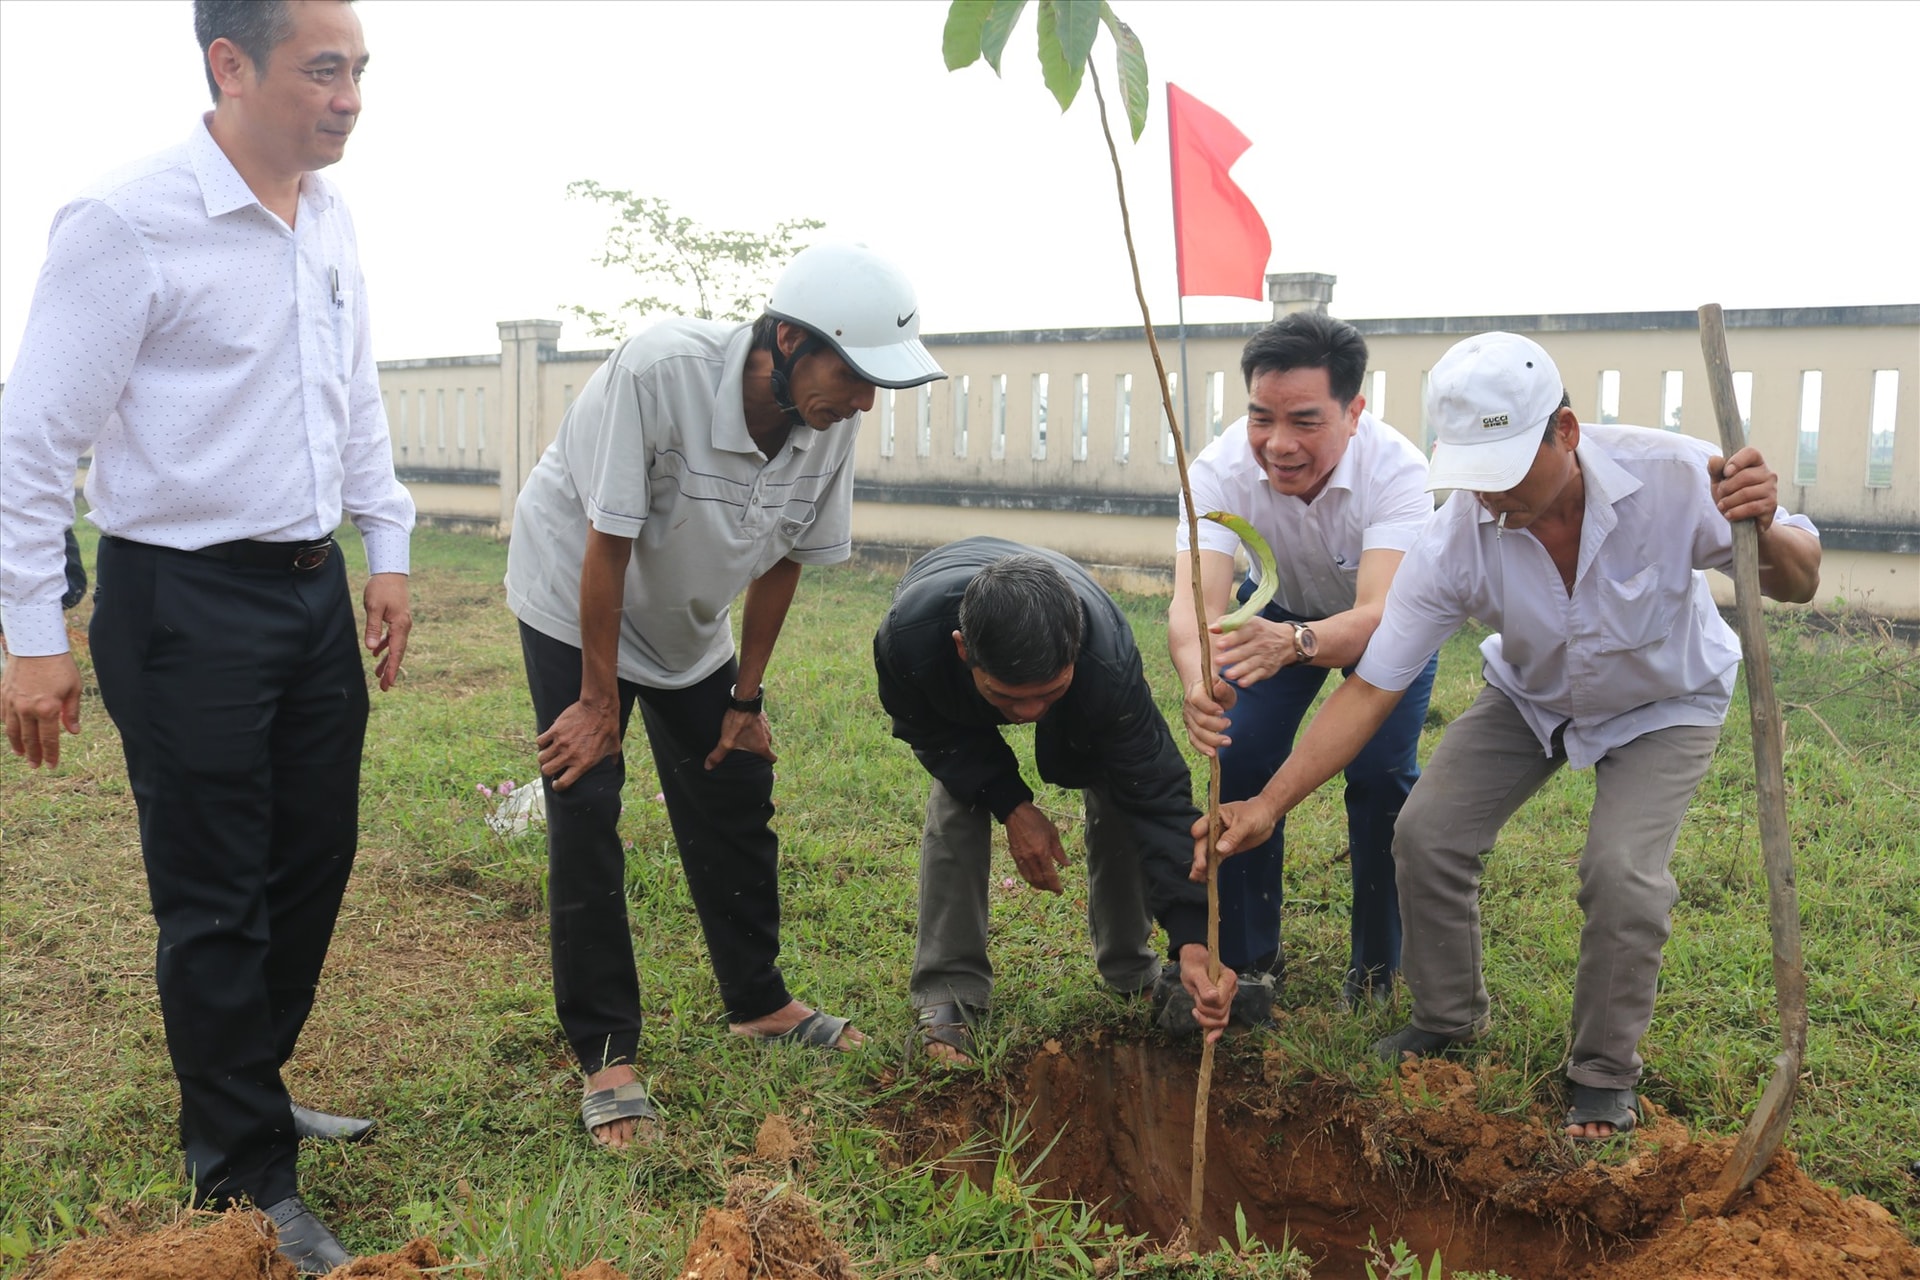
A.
pixel 333 282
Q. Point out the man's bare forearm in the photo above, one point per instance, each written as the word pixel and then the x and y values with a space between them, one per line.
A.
pixel 765 611
pixel 603 575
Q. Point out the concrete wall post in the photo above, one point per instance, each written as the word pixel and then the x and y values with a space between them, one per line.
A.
pixel 524 344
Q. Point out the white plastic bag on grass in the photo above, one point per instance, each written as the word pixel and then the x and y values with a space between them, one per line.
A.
pixel 521 808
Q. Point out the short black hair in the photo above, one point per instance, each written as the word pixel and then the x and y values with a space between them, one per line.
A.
pixel 1021 620
pixel 766 330
pixel 1309 340
pixel 256 26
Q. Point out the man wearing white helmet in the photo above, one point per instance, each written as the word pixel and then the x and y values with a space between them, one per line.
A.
pixel 702 459
pixel 1608 652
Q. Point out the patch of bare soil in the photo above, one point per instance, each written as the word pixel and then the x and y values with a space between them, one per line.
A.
pixel 236 1245
pixel 413 1262
pixel 766 1232
pixel 598 1269
pixel 1316 1164
pixel 776 1142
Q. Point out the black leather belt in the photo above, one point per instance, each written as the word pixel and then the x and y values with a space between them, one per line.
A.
pixel 288 557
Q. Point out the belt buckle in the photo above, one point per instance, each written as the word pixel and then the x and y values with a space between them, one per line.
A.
pixel 311 558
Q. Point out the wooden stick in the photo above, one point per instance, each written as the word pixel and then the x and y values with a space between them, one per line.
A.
pixel 1768 1124
pixel 1197 1188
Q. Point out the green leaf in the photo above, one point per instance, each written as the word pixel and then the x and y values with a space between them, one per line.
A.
pixel 1132 62
pixel 1269 576
pixel 960 42
pixel 1076 23
pixel 1062 77
pixel 999 25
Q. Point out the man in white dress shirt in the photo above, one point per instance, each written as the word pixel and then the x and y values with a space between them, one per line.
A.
pixel 1340 496
pixel 1608 654
pixel 210 298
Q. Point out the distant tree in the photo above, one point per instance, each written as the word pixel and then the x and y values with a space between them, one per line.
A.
pixel 700 271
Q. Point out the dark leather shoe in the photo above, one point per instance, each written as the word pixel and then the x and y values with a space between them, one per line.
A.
pixel 304 1239
pixel 318 1126
pixel 1411 1041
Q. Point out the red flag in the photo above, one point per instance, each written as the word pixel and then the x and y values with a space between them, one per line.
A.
pixel 1220 244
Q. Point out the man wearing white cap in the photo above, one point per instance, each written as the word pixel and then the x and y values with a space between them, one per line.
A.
pixel 700 460
pixel 1608 653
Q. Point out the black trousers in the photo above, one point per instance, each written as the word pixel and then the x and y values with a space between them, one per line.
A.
pixel 242 706
pixel 722 823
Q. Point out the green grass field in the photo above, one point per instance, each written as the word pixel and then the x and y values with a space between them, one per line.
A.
pixel 435 1014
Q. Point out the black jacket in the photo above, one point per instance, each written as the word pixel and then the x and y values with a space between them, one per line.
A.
pixel 1104 732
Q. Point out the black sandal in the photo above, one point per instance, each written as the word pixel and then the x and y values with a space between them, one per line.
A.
pixel 950 1023
pixel 1590 1104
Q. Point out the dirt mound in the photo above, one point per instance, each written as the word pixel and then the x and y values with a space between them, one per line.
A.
pixel 1319 1165
pixel 598 1269
pixel 409 1263
pixel 1786 1224
pixel 764 1231
pixel 777 1142
pixel 236 1245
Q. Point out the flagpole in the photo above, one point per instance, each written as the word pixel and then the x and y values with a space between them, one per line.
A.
pixel 1186 389
pixel 1185 425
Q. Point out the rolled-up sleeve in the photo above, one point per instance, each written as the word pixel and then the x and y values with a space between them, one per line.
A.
pixel 84 332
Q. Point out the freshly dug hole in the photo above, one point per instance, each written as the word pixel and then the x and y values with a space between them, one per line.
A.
pixel 1322 1167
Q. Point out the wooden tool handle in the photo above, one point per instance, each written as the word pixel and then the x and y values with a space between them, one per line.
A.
pixel 1769 1122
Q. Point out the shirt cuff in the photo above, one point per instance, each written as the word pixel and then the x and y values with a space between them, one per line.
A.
pixel 1004 794
pixel 387 550
pixel 34 630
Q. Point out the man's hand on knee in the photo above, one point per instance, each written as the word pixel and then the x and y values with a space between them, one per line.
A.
pixel 579 739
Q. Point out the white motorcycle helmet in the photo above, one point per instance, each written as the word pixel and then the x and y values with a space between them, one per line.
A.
pixel 849 298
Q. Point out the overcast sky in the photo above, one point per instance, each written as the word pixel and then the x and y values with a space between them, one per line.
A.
pixel 1439 158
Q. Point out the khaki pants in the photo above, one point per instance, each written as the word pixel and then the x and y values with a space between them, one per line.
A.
pixel 950 954
pixel 1485 768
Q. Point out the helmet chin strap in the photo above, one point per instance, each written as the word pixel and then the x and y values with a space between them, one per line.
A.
pixel 782 380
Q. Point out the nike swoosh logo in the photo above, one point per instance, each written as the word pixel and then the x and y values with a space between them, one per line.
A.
pixel 903 321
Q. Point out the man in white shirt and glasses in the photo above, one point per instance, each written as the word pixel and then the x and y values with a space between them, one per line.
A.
pixel 1581 547
pixel 210 298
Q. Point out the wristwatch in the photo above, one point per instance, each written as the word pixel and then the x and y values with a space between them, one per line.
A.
pixel 751 706
pixel 1305 643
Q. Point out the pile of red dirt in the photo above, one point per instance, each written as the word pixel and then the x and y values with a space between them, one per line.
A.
pixel 235 1245
pixel 1316 1164
pixel 1651 1212
pixel 765 1231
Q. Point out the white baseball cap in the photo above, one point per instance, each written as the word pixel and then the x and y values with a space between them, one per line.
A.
pixel 1488 401
pixel 863 306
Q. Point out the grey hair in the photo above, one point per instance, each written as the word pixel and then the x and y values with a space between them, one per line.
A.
pixel 1566 402
pixel 255 26
pixel 1021 620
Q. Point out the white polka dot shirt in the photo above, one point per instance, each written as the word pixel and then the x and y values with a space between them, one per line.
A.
pixel 217 362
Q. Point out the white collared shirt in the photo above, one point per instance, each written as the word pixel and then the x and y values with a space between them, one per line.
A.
pixel 217 362
pixel 656 448
pixel 1637 646
pixel 1376 497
